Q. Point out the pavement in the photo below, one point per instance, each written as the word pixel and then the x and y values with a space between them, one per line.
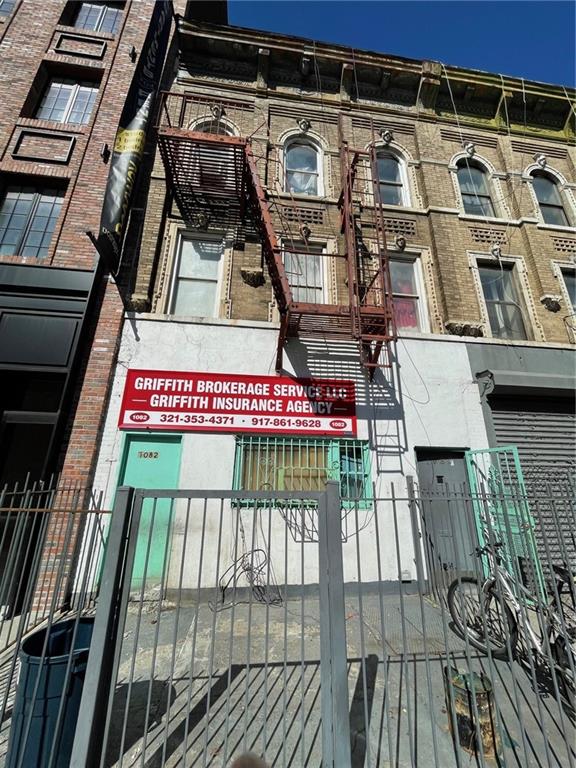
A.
pixel 201 682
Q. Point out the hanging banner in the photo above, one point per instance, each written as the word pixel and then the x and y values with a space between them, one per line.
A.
pixel 210 402
pixel 131 136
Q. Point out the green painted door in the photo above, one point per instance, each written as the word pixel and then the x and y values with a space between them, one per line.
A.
pixel 151 461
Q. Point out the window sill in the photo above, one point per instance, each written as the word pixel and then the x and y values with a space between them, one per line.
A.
pixel 52 125
pixel 488 219
pixel 197 320
pixel 81 31
pixel 556 228
pixel 302 198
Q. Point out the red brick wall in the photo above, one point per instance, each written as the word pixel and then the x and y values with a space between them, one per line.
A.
pixel 27 45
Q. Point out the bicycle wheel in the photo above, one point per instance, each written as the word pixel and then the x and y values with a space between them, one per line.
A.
pixel 483 618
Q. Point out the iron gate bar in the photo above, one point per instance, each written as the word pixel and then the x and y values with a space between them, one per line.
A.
pixel 97 683
pixel 333 659
pixel 272 697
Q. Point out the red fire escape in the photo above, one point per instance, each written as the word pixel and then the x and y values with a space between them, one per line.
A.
pixel 214 178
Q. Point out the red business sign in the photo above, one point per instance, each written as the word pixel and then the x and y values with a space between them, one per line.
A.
pixel 211 402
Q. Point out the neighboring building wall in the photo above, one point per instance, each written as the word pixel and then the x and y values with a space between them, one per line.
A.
pixel 40 41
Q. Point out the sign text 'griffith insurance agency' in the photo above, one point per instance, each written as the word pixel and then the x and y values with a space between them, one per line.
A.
pixel 208 402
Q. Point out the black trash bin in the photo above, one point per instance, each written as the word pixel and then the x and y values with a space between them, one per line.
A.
pixel 33 749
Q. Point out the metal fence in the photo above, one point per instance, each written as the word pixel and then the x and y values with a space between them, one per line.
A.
pixel 51 545
pixel 319 633
pixel 316 634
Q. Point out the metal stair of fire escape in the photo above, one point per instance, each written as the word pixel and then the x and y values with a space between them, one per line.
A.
pixel 215 181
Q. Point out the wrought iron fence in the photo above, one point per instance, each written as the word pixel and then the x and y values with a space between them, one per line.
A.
pixel 51 544
pixel 398 633
pixel 315 634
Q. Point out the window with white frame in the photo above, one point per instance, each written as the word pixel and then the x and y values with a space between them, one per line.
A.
pixel 6 7
pixel 392 181
pixel 549 199
pixel 302 161
pixel 503 299
pixel 67 101
pixel 474 183
pixel 99 17
pixel 407 292
pixel 28 215
pixel 304 265
pixel 197 275
pixel 569 278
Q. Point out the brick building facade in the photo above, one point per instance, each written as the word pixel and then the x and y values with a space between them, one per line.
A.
pixel 67 68
pixel 475 178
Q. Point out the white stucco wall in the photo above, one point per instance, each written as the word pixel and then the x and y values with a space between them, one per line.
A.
pixel 428 399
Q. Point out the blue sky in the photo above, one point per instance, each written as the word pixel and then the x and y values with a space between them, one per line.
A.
pixel 535 40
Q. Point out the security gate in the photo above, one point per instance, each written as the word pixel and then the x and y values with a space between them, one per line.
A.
pixel 301 629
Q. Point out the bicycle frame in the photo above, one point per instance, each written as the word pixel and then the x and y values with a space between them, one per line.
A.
pixel 504 585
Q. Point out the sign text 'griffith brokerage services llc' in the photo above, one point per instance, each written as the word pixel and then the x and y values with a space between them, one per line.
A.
pixel 208 402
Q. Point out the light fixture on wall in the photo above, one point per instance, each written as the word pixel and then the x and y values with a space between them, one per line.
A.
pixel 105 153
pixel 132 54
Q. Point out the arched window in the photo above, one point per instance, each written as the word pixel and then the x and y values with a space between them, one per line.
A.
pixel 213 173
pixel 549 199
pixel 302 162
pixel 475 189
pixel 391 180
pixel 215 125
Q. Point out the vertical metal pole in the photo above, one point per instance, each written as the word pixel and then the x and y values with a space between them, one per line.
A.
pixel 333 666
pixel 416 538
pixel 92 715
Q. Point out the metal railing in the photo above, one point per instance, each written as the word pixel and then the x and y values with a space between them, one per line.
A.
pixel 52 537
pixel 239 633
pixel 223 626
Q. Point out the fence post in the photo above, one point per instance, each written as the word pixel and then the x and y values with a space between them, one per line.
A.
pixel 416 537
pixel 333 659
pixel 92 715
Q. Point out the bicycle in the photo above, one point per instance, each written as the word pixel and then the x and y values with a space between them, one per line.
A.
pixel 489 614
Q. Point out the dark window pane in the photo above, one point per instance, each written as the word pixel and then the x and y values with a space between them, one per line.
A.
pixel 546 190
pixel 478 206
pixel 6 7
pixel 473 180
pixel 570 282
pixel 389 169
pixel 302 157
pixel 554 215
pixel 100 17
pixel 27 221
pixel 506 321
pixel 390 194
pixel 502 303
pixel 402 276
pixel 301 183
pixel 406 313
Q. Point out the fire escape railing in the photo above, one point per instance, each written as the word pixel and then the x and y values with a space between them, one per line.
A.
pixel 214 178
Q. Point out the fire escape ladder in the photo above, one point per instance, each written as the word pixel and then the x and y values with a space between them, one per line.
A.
pixel 348 166
pixel 369 284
